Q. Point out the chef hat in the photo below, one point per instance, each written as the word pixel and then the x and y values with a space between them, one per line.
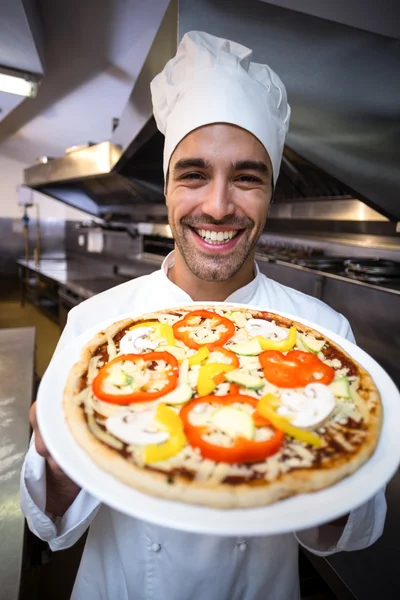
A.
pixel 211 80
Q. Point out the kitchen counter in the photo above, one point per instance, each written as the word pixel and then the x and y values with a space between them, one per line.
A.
pixel 17 351
pixel 67 271
pixel 89 278
pixel 85 278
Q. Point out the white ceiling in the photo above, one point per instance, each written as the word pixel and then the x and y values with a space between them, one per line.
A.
pixel 8 102
pixel 20 45
pixel 94 51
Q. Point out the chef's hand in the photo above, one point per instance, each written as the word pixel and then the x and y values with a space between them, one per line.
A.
pixel 61 491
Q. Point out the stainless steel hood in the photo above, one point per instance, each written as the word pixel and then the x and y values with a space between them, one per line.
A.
pixel 344 89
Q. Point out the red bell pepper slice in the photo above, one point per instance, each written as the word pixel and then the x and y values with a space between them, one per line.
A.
pixel 185 336
pixel 141 395
pixel 242 450
pixel 295 369
pixel 234 360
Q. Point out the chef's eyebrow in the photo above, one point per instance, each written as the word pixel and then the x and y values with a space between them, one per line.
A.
pixel 191 163
pixel 200 163
pixel 251 165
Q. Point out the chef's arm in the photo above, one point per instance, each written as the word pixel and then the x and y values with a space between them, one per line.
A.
pixel 56 509
pixel 61 491
pixel 358 530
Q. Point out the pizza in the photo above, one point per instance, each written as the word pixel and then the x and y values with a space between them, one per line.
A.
pixel 222 406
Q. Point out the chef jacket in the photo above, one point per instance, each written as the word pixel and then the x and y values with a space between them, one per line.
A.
pixel 126 558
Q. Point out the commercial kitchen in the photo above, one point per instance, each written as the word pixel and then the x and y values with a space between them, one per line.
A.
pixel 78 217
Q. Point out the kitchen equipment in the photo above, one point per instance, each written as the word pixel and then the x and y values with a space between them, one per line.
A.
pixel 373 270
pixel 373 266
pixel 122 179
pixel 285 251
pixel 369 270
pixel 323 263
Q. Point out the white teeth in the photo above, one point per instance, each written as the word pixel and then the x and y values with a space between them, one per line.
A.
pixel 216 237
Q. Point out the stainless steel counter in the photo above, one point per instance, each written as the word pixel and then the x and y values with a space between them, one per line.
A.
pixel 85 278
pixel 66 271
pixel 17 351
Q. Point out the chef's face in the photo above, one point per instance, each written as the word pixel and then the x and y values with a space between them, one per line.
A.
pixel 218 193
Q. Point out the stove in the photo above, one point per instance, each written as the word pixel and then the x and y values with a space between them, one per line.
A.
pixel 288 252
pixel 375 271
pixel 333 264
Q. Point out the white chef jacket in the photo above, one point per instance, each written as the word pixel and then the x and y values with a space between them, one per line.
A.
pixel 126 558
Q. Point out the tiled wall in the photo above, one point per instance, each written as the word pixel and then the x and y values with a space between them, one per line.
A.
pixel 12 247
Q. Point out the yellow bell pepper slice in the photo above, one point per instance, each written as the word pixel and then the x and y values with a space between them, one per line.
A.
pixel 162 330
pixel 281 345
pixel 201 355
pixel 266 408
pixel 205 383
pixel 171 422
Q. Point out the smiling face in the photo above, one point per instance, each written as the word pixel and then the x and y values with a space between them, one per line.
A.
pixel 218 193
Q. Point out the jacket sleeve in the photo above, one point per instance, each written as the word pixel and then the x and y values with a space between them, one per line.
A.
pixel 65 531
pixel 364 524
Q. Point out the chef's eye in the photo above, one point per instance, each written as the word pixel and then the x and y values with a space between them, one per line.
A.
pixel 193 176
pixel 248 179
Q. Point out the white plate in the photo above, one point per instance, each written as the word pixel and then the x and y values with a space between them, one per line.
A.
pixel 293 514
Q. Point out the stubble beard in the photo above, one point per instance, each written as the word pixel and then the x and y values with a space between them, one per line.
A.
pixel 218 267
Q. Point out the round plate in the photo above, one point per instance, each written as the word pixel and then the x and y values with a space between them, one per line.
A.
pixel 293 514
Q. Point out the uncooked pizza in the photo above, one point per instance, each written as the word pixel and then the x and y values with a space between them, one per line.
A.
pixel 222 406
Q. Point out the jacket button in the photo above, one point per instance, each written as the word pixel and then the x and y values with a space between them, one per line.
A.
pixel 155 547
pixel 242 546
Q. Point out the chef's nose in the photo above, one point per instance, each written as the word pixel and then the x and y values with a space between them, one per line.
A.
pixel 218 202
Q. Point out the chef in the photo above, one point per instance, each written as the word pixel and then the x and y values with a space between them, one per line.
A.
pixel 224 119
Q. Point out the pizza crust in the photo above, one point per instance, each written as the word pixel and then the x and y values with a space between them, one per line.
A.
pixel 208 493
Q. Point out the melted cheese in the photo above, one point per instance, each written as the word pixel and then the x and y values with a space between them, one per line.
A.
pixel 292 455
pixel 93 368
pixel 111 349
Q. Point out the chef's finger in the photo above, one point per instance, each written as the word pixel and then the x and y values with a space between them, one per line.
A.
pixel 32 416
pixel 53 466
pixel 40 446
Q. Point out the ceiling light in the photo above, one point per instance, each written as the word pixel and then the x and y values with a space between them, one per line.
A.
pixel 19 84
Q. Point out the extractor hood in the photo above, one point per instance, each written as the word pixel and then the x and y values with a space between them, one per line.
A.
pixel 344 89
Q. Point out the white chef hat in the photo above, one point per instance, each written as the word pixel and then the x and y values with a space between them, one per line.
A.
pixel 211 80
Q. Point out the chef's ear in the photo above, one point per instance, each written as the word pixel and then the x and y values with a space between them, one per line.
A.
pixel 166 184
pixel 272 194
